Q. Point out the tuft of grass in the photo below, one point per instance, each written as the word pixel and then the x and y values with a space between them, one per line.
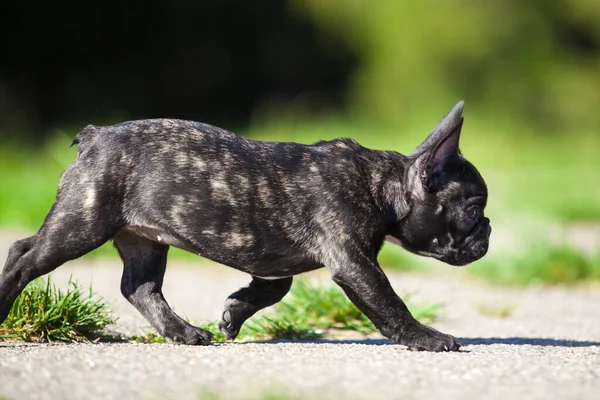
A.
pixel 43 312
pixel 311 311
pixel 280 327
pixel 147 337
pixel 545 264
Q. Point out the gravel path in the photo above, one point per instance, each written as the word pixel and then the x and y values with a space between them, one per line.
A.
pixel 548 347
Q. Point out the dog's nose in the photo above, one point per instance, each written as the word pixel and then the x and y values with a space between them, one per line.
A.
pixel 488 227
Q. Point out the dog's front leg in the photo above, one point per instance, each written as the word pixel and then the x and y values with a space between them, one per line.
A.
pixel 369 289
pixel 244 303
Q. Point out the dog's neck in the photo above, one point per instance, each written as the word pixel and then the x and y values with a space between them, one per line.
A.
pixel 388 176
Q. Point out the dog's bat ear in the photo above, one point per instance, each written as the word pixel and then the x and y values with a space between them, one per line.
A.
pixel 439 146
pixel 445 128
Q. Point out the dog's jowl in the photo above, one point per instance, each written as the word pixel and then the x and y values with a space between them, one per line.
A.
pixel 270 209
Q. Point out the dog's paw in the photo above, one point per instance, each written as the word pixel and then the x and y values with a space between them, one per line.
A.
pixel 423 338
pixel 190 335
pixel 227 328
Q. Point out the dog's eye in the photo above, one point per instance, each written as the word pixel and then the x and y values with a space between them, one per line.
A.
pixel 473 213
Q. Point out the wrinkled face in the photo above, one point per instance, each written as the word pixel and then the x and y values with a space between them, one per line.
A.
pixel 448 222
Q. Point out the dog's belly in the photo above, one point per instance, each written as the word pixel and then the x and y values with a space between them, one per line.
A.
pixel 158 236
pixel 268 265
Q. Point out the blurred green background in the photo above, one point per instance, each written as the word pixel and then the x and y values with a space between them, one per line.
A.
pixel 382 72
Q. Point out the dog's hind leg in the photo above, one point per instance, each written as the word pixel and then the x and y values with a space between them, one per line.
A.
pixel 144 265
pixel 244 303
pixel 66 234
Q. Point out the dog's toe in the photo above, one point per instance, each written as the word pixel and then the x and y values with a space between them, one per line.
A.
pixel 227 328
pixel 424 338
pixel 191 336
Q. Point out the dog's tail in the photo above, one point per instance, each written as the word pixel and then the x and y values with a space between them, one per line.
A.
pixel 87 131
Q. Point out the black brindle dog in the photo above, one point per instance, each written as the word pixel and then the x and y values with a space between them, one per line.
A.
pixel 270 209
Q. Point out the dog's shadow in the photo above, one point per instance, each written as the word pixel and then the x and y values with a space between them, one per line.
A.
pixel 525 341
pixel 513 341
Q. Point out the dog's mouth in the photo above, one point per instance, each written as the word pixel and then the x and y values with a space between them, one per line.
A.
pixel 476 244
pixel 471 249
pixel 481 230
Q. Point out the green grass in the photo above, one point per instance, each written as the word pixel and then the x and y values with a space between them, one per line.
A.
pixel 150 336
pixel 311 312
pixel 545 264
pixel 45 313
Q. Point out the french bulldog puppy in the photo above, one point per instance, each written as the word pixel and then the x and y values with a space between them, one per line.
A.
pixel 272 210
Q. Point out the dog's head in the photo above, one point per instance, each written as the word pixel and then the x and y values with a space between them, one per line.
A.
pixel 446 196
